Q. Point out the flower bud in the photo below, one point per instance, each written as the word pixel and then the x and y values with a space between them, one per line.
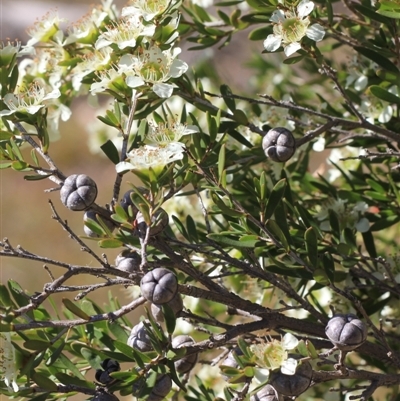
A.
pixel 267 393
pixel 175 304
pixel 159 222
pixel 279 144
pixel 139 338
pixel 347 332
pixel 187 362
pixel 128 261
pixel 161 388
pixel 292 385
pixel 78 192
pixel 159 286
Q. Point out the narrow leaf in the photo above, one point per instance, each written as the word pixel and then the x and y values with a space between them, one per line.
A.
pixel 75 309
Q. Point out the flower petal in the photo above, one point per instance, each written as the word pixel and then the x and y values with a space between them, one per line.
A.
pixel 316 32
pixel 277 16
pixel 163 90
pixel 124 166
pixel 289 341
pixel 363 225
pixel 272 42
pixel 292 48
pixel 178 67
pixel 289 366
pixel 304 8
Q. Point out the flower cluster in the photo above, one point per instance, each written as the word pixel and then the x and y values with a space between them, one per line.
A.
pixel 162 147
pixel 290 26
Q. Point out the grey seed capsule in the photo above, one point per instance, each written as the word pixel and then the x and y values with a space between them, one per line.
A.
pixel 159 286
pixel 90 215
pixel 176 304
pixel 139 338
pixel 128 261
pixel 267 393
pixel 101 396
pixel 78 192
pixel 292 385
pixel 161 388
pixel 159 223
pixel 279 144
pixel 188 362
pixel 346 331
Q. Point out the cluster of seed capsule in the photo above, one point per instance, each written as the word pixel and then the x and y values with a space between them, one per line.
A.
pixel 346 332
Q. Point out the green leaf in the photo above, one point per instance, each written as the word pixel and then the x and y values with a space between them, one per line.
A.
pixel 110 243
pixel 44 382
pixel 224 239
pixel 119 333
pixel 19 165
pixel 110 151
pixel 273 226
pixel 93 358
pixel 384 94
pixel 390 14
pixel 293 60
pixel 36 177
pixel 67 379
pixel 5 298
pixel 5 135
pixel 275 197
pixel 389 76
pixel 226 93
pixel 378 58
pixel 384 223
pixel 72 307
pixel 170 318
pixel 329 266
pixel 36 345
pixel 55 354
pixel 5 165
pixel 370 13
pixel 18 293
pixel 240 117
pixel 311 239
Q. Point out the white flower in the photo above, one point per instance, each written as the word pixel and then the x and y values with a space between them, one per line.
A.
pixel 319 144
pixel 96 61
pixel 164 134
pixel 29 100
pixel 151 156
pixel 291 26
pixel 45 29
pixel 125 33
pixel 149 9
pixel 155 67
pixel 163 147
pixel 8 368
pixel 274 355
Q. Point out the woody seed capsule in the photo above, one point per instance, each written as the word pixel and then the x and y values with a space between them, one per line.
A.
pixel 347 332
pixel 279 144
pixel 159 286
pixel 161 388
pixel 267 393
pixel 292 385
pixel 186 363
pixel 78 192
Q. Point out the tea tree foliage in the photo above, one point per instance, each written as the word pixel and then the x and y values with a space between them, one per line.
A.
pixel 264 260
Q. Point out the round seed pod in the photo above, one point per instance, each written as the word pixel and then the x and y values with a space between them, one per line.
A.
pixel 231 361
pixel 159 286
pixel 128 261
pixel 90 215
pixel 139 338
pixel 161 388
pixel 279 144
pixel 78 192
pixel 102 396
pixel 176 304
pixel 159 222
pixel 188 362
pixel 292 385
pixel 110 365
pixel 267 393
pixel 347 332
